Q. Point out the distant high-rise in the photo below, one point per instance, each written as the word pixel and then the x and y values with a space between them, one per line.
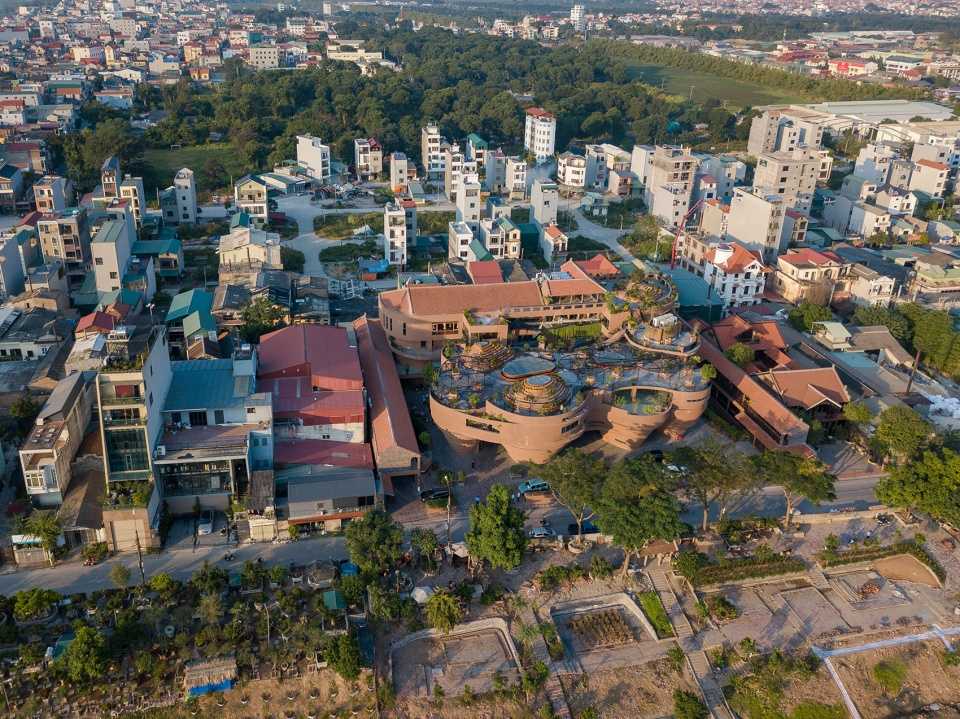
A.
pixel 577 18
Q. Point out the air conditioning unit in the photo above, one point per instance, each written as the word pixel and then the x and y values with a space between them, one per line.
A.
pixel 160 451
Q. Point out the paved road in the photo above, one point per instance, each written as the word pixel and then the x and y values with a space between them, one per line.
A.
pixel 609 236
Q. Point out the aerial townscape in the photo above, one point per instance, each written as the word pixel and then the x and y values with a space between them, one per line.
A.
pixel 474 359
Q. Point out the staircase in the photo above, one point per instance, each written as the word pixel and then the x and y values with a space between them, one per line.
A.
pixel 681 625
pixel 553 688
pixel 818 579
pixel 712 694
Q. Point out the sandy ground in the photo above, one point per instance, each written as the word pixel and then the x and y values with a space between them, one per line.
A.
pixel 927 680
pixel 456 709
pixel 638 692
pixel 908 568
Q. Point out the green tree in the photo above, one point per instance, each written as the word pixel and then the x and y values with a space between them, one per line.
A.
pixel 636 507
pixel 343 655
pixel 902 433
pixel 293 260
pixel 210 609
pixel 260 317
pixel 857 413
pixel 24 410
pixel 444 611
pixel 374 542
pixel 687 705
pixel 209 579
pixel 164 585
pixel 799 477
pixel 929 483
pixel 740 354
pixel 120 575
pixel 34 603
pixel 891 318
pixel 353 588
pixel 806 315
pixel 496 533
pixel 716 474
pixel 44 525
pixel 425 542
pixel 575 478
pixel 85 658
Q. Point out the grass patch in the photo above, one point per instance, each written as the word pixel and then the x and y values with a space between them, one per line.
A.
pixel 434 223
pixel 736 93
pixel 655 613
pixel 350 252
pixel 584 245
pixel 552 640
pixel 890 674
pixel 698 569
pixel 339 227
pixel 760 692
pixel 160 165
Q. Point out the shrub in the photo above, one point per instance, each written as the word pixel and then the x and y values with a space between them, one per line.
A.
pixel 890 675
pixel 765 564
pixel 559 575
pixel 687 705
pixel 600 567
pixel 950 659
pixel 722 608
pixel 677 658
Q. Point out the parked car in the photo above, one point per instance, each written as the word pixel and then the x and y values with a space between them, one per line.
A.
pixel 588 528
pixel 205 525
pixel 533 485
pixel 429 495
pixel 541 533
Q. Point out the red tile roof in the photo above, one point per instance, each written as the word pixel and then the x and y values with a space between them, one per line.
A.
pixel 539 112
pixel 807 388
pixel 294 398
pixel 319 352
pixel 596 266
pixel 932 164
pixel 739 260
pixel 95 322
pixel 485 272
pixel 390 424
pixel 810 257
pixel 427 300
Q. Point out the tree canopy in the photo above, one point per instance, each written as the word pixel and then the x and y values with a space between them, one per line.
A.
pixel 259 317
pixel 902 433
pixel 575 479
pixel 443 611
pixel 805 315
pixel 740 354
pixel 85 658
pixel 374 542
pixel 496 533
pixel 715 474
pixel 800 478
pixel 929 483
pixel 636 506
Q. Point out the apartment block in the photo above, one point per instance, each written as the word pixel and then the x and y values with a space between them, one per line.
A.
pixel 553 243
pixel 669 184
pixel 726 171
pixel 111 252
pixel 314 156
pixel 572 171
pixel 515 178
pixel 47 454
pixel 185 189
pixel 462 244
pixel 367 158
pixel 264 57
pixel 929 177
pixel 539 134
pixel 757 223
pixel 544 202
pixel 399 230
pixel 793 175
pixel 65 236
pixel 873 161
pixel 52 193
pixel 431 153
pixel 251 195
pixel 784 130
pixel 399 172
pixel 131 189
pixel 468 201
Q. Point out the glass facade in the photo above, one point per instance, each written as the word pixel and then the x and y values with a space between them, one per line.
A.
pixel 177 480
pixel 127 451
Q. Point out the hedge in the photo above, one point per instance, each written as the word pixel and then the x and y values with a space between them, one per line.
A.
pixel 867 554
pixel 747 568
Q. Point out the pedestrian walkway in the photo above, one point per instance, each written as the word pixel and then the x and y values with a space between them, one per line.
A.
pixel 553 688
pixel 712 693
pixel 681 625
pixel 818 579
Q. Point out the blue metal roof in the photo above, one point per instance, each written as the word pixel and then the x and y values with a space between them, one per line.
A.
pixel 206 384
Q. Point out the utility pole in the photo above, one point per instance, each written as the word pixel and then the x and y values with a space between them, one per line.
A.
pixel 913 371
pixel 143 576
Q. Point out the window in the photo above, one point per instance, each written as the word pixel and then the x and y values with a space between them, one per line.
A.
pixel 251 410
pixel 98 261
pixel 198 419
pixel 218 416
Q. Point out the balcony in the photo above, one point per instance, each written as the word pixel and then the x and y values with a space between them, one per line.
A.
pixel 122 401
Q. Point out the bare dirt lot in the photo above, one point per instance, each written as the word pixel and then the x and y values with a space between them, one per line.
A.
pixel 925 680
pixel 908 568
pixel 638 692
pixel 453 663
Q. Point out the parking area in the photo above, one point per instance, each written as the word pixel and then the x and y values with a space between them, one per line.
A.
pixel 185 533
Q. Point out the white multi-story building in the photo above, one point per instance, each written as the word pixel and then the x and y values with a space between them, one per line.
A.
pixel 399 230
pixel 757 223
pixel 873 161
pixel 553 243
pixel 131 189
pixel 501 237
pixel 736 274
pixel 367 158
pixel 929 177
pixel 785 129
pixel 577 18
pixel 669 184
pixel 515 178
pixel 794 175
pixel 314 156
pixel 399 172
pixel 468 201
pixel 431 153
pixel 572 171
pixel 460 242
pixel 185 188
pixel 539 134
pixel 727 171
pixel 544 201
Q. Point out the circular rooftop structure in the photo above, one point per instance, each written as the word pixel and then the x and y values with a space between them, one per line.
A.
pixel 538 394
pixel 527 366
pixel 485 355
